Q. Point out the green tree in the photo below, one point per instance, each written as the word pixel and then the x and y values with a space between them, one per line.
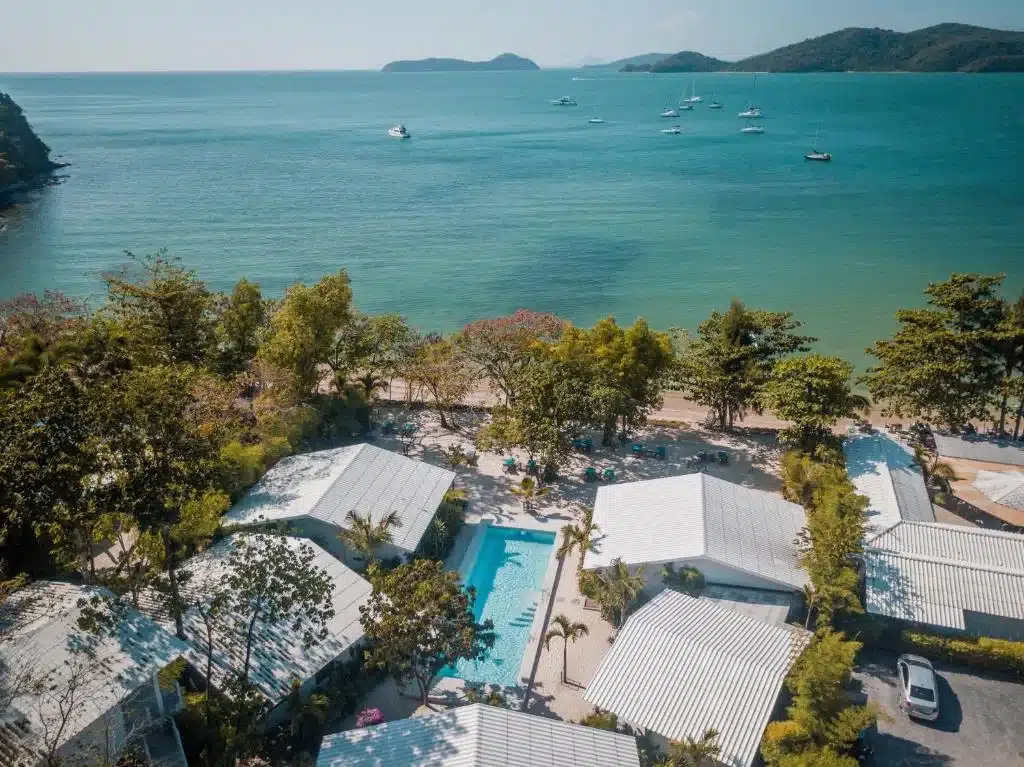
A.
pixel 166 311
pixel 440 369
pixel 418 620
pixel 304 329
pixel 601 720
pixel 500 347
pixel 621 587
pixel 243 320
pixel 529 491
pixel 568 631
pixel 269 582
pixel 686 579
pixel 940 364
pixel 692 752
pixel 579 538
pixel 813 392
pixel 803 476
pixel 364 536
pixel 732 355
pixel 937 473
pixel 380 353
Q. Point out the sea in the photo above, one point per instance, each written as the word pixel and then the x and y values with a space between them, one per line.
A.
pixel 502 200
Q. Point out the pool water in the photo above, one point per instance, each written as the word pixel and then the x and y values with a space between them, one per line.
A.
pixel 508 575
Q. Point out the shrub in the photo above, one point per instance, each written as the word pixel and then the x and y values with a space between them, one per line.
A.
pixel 369 717
pixel 601 720
pixel 440 537
pixel 687 580
pixel 1000 655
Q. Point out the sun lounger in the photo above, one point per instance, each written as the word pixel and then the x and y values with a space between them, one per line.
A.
pixel 590 474
pixel 608 475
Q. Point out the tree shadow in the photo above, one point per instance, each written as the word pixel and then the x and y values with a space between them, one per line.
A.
pixel 889 749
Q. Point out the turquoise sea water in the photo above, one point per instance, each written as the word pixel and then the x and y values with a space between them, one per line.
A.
pixel 508 575
pixel 502 201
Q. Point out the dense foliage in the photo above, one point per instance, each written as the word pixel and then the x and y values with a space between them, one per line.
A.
pixel 23 155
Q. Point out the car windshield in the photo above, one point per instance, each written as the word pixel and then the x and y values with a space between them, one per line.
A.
pixel 922 693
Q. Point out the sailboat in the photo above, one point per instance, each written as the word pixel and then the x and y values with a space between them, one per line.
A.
pixel 816 155
pixel 714 103
pixel 670 112
pixel 675 130
pixel 751 111
pixel 752 127
pixel 694 98
pixel 595 121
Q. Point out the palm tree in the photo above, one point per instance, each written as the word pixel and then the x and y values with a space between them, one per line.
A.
pixel 936 473
pixel 529 491
pixel 564 629
pixel 692 752
pixel 579 537
pixel 621 586
pixel 363 536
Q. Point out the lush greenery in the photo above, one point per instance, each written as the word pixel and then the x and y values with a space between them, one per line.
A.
pixel 822 724
pixel 957 360
pixel 24 157
pixel 1000 655
pixel 505 61
pixel 942 48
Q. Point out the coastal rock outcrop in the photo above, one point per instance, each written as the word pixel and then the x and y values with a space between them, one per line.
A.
pixel 24 157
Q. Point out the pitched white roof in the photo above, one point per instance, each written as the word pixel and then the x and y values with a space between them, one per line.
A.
pixel 883 470
pixel 979 448
pixel 326 485
pixel 43 623
pixel 278 656
pixel 942 574
pixel 1003 487
pixel 681 666
pixel 698 515
pixel 478 736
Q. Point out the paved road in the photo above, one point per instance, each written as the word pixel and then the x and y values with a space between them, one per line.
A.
pixel 981 721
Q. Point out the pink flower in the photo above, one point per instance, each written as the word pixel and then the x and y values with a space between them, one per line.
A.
pixel 369 717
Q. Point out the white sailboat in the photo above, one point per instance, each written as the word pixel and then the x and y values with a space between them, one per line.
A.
pixel 595 121
pixel 694 98
pixel 670 112
pixel 752 127
pixel 674 130
pixel 817 155
pixel 715 104
pixel 752 111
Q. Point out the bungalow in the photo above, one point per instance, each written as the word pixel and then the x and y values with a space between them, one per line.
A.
pixel 734 535
pixel 313 493
pixel 478 736
pixel 883 470
pixel 278 655
pixel 82 698
pixel 681 666
pixel 951 578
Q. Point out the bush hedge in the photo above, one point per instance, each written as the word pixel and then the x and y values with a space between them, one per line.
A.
pixel 1000 655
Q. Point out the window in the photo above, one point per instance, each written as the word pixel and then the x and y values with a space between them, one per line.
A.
pixel 922 693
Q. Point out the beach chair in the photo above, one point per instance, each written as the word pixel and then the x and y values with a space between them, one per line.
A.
pixel 637 448
pixel 608 475
pixel 387 427
pixel 532 467
pixel 723 457
pixel 509 465
pixel 588 444
pixel 590 474
pixel 702 456
pixel 660 453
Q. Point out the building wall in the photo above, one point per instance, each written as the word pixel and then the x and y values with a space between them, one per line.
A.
pixel 714 573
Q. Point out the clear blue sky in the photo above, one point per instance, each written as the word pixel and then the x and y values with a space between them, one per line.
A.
pixel 134 35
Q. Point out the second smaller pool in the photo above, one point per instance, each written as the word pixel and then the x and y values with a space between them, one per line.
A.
pixel 508 575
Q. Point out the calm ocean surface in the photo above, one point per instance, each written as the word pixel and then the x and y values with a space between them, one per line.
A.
pixel 502 201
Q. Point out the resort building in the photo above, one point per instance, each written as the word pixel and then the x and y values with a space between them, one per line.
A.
pixel 883 471
pixel 681 666
pixel 951 578
pixel 478 736
pixel 734 535
pixel 313 493
pixel 278 656
pixel 81 698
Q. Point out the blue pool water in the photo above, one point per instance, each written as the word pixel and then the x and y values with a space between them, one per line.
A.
pixel 508 574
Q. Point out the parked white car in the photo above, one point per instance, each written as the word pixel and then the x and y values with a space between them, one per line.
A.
pixel 919 691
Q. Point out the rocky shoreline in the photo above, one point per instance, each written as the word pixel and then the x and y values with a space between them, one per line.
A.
pixel 25 163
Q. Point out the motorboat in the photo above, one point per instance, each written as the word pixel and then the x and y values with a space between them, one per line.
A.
pixel 595 121
pixel 674 130
pixel 670 113
pixel 565 101
pixel 751 112
pixel 399 131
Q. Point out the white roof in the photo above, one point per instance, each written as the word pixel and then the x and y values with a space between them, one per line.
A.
pixel 326 485
pixel 478 736
pixel 42 620
pixel 698 515
pixel 278 656
pixel 1004 487
pixel 979 448
pixel 883 470
pixel 681 666
pixel 944 574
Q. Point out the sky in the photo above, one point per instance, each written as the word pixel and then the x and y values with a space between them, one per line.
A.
pixel 147 35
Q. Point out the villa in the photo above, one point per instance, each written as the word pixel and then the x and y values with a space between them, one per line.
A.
pixel 883 471
pixel 81 698
pixel 735 536
pixel 478 736
pixel 314 492
pixel 681 666
pixel 953 578
pixel 278 656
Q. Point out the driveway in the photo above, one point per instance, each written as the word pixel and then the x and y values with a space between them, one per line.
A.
pixel 980 719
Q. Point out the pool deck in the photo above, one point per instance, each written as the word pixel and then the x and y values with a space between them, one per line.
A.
pixel 753 464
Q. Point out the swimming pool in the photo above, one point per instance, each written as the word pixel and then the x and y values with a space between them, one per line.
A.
pixel 507 568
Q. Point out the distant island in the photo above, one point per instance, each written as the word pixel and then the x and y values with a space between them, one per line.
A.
pixel 644 59
pixel 504 62
pixel 942 48
pixel 24 157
